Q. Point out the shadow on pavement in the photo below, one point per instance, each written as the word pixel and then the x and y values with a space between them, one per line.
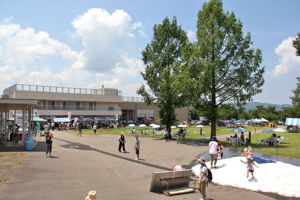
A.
pixel 80 146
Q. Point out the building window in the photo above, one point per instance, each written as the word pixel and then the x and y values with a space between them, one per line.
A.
pixel 89 105
pixel 76 105
pixel 66 105
pixel 110 108
pixel 51 105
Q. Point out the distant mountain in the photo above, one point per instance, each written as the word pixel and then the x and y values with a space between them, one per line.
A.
pixel 252 105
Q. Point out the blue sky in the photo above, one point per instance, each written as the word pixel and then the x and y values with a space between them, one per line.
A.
pixel 83 43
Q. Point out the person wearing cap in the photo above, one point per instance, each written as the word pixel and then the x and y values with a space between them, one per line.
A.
pixel 249 167
pixel 213 151
pixel 177 168
pixel 122 142
pixel 91 195
pixel 203 177
pixel 137 146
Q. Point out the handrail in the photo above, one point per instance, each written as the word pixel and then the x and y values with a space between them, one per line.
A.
pixel 66 90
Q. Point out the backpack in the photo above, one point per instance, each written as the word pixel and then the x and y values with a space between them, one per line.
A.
pixel 210 176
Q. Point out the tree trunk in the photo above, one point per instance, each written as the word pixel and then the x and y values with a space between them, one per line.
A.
pixel 169 131
pixel 213 128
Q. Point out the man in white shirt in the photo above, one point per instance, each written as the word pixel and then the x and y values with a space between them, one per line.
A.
pixel 213 151
pixel 45 128
pixel 95 128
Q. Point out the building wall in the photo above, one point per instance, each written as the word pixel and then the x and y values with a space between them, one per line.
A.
pixel 182 113
pixel 131 108
pixel 64 97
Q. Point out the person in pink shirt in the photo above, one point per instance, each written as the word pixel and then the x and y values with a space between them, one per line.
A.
pixel 248 153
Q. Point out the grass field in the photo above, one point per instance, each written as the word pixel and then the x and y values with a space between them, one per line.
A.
pixel 292 149
pixel 191 134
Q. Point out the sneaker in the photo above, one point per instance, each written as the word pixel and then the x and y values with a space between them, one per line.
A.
pixel 46 156
pixel 136 158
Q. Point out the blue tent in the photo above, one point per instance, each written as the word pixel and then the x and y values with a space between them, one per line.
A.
pixel 101 120
pixel 227 121
pixel 89 120
pixel 292 121
pixel 111 120
pixel 78 120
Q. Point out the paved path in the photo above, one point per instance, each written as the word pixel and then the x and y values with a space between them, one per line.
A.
pixel 93 162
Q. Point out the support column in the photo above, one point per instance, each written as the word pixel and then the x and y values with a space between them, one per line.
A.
pixel 5 125
pixel 29 119
pixel 24 126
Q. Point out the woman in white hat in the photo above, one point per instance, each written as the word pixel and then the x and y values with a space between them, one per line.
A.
pixel 203 177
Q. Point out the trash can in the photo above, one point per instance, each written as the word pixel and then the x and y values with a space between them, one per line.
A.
pixel 29 145
pixel 29 137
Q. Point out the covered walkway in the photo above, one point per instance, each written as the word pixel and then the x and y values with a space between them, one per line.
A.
pixel 8 108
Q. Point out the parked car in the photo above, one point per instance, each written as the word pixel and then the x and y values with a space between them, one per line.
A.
pixel 193 121
pixel 198 122
pixel 21 129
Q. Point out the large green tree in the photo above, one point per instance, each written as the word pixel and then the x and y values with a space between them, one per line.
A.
pixel 296 98
pixel 220 66
pixel 296 44
pixel 162 60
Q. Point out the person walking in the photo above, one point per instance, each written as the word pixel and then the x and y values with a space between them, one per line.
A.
pixel 95 128
pixel 49 143
pixel 52 126
pixel 203 178
pixel 137 147
pixel 80 130
pixel 122 142
pixel 213 152
pixel 166 134
pixel 45 128
pixel 179 135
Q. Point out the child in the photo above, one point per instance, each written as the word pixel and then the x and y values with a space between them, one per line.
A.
pixel 250 167
pixel 248 153
pixel 249 147
pixel 220 151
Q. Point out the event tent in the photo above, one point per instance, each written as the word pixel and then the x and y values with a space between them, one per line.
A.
pixel 292 121
pixel 62 119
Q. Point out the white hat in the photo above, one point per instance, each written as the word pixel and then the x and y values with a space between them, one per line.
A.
pixel 91 195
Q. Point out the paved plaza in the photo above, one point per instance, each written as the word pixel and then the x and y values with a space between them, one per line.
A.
pixel 81 164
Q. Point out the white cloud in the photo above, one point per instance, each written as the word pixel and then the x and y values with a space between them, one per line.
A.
pixel 109 46
pixel 191 34
pixel 105 37
pixel 289 63
pixel 136 25
pixel 142 33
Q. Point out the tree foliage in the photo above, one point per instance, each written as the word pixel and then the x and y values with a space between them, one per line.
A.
pixel 296 98
pixel 296 44
pixel 220 66
pixel 162 59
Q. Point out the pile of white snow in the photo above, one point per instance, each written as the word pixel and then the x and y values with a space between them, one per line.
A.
pixel 279 177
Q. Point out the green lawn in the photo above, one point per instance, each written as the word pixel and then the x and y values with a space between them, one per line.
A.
pixel 191 134
pixel 292 149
